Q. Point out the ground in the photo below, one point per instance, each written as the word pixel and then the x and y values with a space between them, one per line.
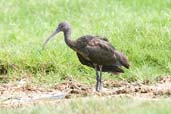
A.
pixel 23 93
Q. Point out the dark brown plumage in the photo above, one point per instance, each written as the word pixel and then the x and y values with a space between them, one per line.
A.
pixel 95 52
pixel 106 68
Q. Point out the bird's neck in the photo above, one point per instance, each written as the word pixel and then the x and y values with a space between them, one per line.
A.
pixel 67 36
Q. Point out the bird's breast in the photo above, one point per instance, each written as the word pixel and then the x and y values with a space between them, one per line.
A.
pixel 84 53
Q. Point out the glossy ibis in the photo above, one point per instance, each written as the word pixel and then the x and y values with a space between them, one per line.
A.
pixel 93 51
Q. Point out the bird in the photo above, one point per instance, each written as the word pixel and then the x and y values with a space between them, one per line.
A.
pixel 93 51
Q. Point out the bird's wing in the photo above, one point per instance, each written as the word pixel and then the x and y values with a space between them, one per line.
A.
pixel 103 53
pixel 100 52
pixel 102 42
pixel 102 38
pixel 113 69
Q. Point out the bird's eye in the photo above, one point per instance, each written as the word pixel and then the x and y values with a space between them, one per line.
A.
pixel 61 26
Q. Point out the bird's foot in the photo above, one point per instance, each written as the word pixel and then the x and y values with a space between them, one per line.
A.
pixel 99 88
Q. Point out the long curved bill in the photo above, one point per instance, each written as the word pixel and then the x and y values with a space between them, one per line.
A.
pixel 50 37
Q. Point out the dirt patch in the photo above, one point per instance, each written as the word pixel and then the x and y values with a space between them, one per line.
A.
pixel 21 93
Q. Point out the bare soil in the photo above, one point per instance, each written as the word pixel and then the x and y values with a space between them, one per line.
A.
pixel 22 92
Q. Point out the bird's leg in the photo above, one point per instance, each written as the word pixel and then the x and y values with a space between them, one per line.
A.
pixel 97 78
pixel 100 77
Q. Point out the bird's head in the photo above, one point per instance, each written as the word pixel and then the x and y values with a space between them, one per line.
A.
pixel 62 27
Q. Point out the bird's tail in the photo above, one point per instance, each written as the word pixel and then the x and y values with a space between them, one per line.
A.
pixel 122 59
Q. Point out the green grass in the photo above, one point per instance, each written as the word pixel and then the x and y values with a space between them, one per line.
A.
pixel 141 29
pixel 97 105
